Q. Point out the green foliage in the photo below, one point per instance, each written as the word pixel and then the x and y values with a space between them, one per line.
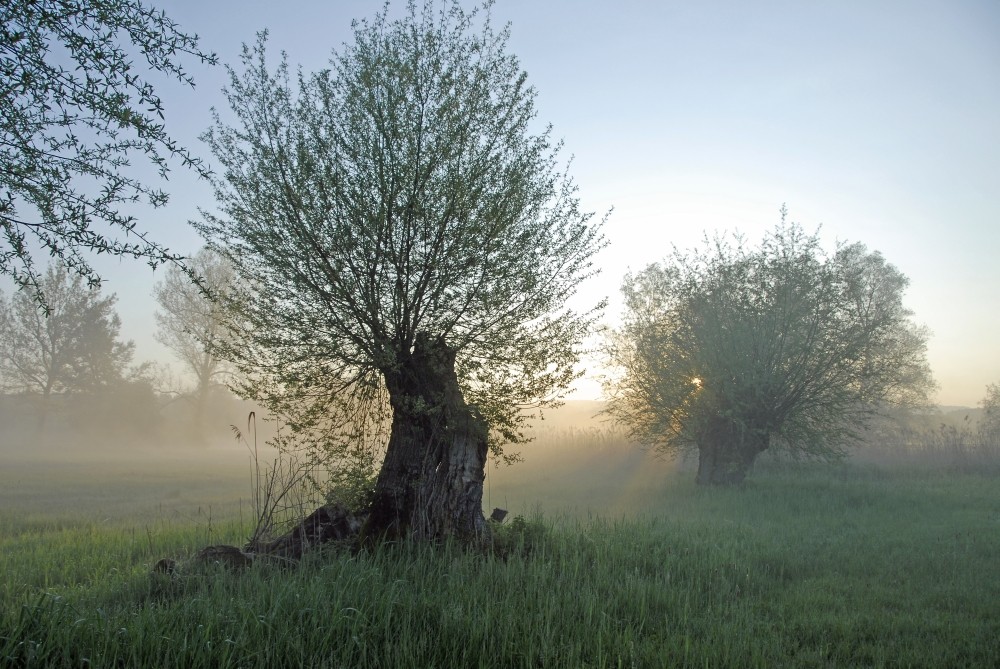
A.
pixel 401 191
pixel 520 536
pixel 74 111
pixel 742 349
pixel 352 487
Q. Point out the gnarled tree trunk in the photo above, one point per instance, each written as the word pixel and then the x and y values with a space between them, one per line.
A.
pixel 727 451
pixel 431 482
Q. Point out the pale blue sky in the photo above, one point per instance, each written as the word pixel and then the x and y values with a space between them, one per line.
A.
pixel 876 120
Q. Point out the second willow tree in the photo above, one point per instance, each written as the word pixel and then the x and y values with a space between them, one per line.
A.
pixel 734 350
pixel 401 227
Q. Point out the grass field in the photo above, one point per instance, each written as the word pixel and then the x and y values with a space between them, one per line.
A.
pixel 615 560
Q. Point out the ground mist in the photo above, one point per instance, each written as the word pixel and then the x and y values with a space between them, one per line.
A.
pixel 609 558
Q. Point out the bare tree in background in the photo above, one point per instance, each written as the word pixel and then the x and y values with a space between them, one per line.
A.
pixel 400 230
pixel 189 321
pixel 733 350
pixel 74 112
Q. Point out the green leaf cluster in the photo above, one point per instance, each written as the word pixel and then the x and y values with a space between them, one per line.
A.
pixel 74 110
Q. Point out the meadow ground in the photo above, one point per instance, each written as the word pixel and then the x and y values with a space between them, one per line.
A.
pixel 609 559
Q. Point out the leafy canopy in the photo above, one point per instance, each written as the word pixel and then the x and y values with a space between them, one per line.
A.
pixel 404 190
pixel 74 110
pixel 784 344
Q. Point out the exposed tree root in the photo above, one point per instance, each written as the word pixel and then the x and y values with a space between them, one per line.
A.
pixel 327 524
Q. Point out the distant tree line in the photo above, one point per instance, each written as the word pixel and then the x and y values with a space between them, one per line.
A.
pixel 733 350
pixel 70 357
pixel 67 363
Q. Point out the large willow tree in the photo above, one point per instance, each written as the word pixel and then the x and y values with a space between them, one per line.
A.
pixel 733 350
pixel 400 225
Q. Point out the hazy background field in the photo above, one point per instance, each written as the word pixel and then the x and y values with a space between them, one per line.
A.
pixel 618 558
pixel 577 463
pixel 84 465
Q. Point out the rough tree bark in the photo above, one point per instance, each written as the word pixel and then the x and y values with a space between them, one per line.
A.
pixel 726 452
pixel 431 482
pixel 430 486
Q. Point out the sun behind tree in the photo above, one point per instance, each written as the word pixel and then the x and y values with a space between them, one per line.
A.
pixel 733 350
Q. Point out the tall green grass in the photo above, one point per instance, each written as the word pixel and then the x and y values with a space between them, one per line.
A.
pixel 804 567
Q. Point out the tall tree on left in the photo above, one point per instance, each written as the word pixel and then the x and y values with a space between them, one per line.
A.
pixel 74 110
pixel 76 348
